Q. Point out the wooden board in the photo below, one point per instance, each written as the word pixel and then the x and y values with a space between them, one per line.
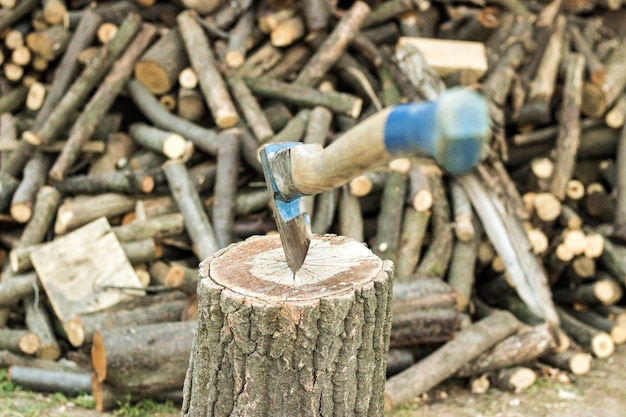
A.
pixel 75 270
pixel 449 56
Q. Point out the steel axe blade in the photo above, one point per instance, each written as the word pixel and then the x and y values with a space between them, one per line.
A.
pixel 293 225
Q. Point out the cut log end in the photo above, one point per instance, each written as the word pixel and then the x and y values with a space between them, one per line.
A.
pixel 99 357
pixel 147 184
pixel 360 186
pixel 36 96
pixel 154 77
pixel 517 378
pixel 65 215
pixel 402 165
pixel 580 363
pixel 422 200
pixel 21 212
pixel 575 240
pixel 55 13
pixel 538 241
pixel 225 118
pixel 50 351
pixel 257 267
pixel 75 331
pixel 594 100
pixel 32 138
pixel 614 119
pixel 174 277
pixel 547 206
pixel 480 385
pixel 174 146
pixel 595 245
pixel 598 76
pixel 106 31
pixel 29 343
pixel 464 228
pixel 575 190
pixel 618 334
pixel 607 291
pixel 234 59
pixel 563 253
pixel 188 78
pixel 356 108
pixel 602 345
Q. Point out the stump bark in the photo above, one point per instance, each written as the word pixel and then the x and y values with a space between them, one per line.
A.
pixel 271 344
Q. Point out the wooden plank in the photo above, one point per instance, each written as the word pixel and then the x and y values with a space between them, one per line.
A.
pixel 447 56
pixel 75 270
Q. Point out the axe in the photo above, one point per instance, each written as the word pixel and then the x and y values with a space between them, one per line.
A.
pixel 451 129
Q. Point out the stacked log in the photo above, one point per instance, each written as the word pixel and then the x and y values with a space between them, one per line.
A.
pixel 150 117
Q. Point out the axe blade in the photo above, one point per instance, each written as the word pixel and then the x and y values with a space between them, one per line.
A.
pixel 295 238
pixel 293 225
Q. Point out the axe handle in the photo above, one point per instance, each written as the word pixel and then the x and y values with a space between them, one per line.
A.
pixel 315 170
pixel 452 129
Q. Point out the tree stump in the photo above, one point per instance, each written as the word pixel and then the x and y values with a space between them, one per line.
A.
pixel 273 344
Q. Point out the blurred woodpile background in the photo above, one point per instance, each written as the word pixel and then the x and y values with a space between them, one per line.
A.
pixel 129 133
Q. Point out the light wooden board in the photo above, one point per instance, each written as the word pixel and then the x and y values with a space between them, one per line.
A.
pixel 75 270
pixel 447 56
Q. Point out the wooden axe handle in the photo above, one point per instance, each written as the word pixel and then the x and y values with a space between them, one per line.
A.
pixel 315 170
pixel 452 129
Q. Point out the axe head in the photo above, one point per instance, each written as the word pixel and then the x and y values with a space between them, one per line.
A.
pixel 293 224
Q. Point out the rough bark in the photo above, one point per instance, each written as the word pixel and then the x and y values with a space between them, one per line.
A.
pixel 448 359
pixel 80 329
pixel 143 359
pixel 197 222
pixel 68 383
pixel 203 138
pixel 334 45
pixel 203 61
pixel 524 347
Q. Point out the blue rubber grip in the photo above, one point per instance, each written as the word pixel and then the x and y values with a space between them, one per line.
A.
pixel 411 128
pixel 452 129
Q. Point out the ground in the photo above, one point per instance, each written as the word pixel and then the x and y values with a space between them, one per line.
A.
pixel 600 393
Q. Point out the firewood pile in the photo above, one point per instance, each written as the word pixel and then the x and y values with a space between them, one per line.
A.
pixel 128 139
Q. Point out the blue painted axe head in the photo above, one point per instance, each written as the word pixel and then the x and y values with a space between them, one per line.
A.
pixel 463 129
pixel 293 224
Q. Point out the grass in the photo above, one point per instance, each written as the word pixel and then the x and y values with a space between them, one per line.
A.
pixel 6 387
pixel 404 410
pixel 24 403
pixel 145 407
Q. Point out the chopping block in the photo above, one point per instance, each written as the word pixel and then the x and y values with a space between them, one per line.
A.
pixel 270 343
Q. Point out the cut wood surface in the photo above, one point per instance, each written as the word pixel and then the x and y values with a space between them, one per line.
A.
pixel 515 379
